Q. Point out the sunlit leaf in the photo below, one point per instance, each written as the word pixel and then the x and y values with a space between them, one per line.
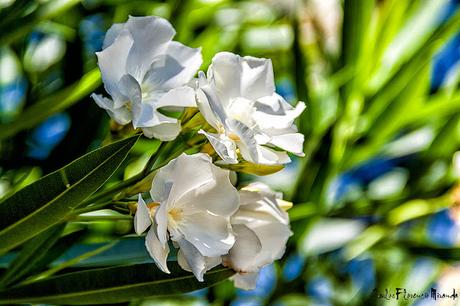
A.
pixel 49 200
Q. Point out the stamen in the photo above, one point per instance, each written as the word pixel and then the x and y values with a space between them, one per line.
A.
pixel 233 136
pixel 175 214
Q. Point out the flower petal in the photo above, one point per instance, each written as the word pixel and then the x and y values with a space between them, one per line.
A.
pixel 112 34
pixel 205 107
pixel 224 146
pixel 187 172
pixel 274 237
pixel 151 36
pixel 161 221
pixel 112 63
pixel 246 281
pixel 210 234
pixel 142 217
pixel 145 114
pixel 291 142
pixel 181 97
pixel 247 143
pixel 257 77
pixel 164 131
pixel 225 74
pixel 157 250
pixel 274 113
pixel 130 88
pixel 220 190
pixel 120 115
pixel 269 156
pixel 246 248
pixel 190 259
pixel 211 105
pixel 174 68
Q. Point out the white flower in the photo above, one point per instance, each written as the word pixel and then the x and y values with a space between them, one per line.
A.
pixel 261 228
pixel 238 99
pixel 144 71
pixel 193 202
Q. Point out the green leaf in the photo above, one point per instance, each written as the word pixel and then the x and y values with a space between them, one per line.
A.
pixel 111 285
pixel 49 200
pixel 33 251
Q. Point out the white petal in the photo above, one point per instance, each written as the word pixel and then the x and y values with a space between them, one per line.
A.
pixel 120 115
pixel 157 250
pixel 245 281
pixel 186 172
pixel 175 68
pixel 161 221
pixel 225 73
pixel 267 156
pixel 274 237
pixel 275 113
pixel 205 108
pixel 145 114
pixel 223 146
pixel 112 34
pixel 259 211
pixel 218 197
pixel 181 97
pixel 161 186
pixel 259 208
pixel 163 131
pixel 142 217
pixel 151 36
pixel 290 142
pixel 190 259
pixel 211 103
pixel 210 234
pixel 130 88
pixel 257 77
pixel 247 143
pixel 246 248
pixel 112 63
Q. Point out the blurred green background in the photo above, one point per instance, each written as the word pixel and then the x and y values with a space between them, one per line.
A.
pixel 376 204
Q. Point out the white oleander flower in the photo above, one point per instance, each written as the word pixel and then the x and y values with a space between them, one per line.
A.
pixel 193 201
pixel 238 99
pixel 261 228
pixel 144 71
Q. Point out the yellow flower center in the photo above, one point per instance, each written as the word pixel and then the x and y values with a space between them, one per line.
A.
pixel 175 214
pixel 233 136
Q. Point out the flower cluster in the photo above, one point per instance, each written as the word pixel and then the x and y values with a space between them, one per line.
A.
pixel 194 205
pixel 210 221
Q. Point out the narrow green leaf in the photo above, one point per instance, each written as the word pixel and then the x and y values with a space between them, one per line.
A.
pixel 49 200
pixel 33 251
pixel 70 262
pixel 111 285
